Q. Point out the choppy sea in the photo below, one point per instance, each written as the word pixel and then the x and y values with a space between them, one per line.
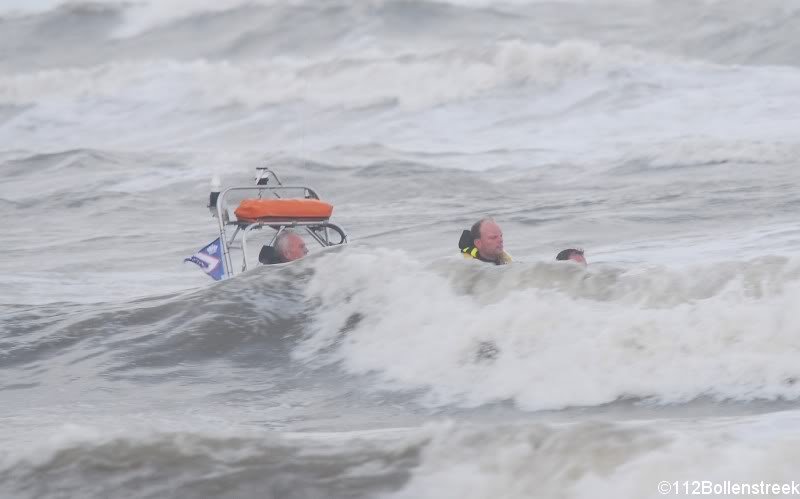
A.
pixel 659 136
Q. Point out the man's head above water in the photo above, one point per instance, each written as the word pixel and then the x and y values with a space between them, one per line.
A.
pixel 488 238
pixel 289 246
pixel 572 254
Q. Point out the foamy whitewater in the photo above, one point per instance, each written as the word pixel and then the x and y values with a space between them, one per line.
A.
pixel 659 136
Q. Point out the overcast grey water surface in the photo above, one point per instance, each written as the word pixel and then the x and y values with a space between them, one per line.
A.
pixel 659 136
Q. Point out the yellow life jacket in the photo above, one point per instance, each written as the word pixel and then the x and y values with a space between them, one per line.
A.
pixel 471 252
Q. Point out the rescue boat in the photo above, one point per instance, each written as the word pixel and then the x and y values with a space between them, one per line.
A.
pixel 268 205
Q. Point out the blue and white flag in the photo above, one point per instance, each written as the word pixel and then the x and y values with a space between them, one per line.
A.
pixel 210 260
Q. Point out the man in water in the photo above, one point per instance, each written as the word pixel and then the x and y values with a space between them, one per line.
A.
pixel 572 254
pixel 484 242
pixel 289 246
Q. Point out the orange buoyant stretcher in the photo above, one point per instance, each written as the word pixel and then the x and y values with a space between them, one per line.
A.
pixel 272 209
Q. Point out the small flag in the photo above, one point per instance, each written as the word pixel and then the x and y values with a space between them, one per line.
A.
pixel 210 260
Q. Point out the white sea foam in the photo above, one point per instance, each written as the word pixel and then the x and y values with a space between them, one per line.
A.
pixel 574 100
pixel 414 82
pixel 564 337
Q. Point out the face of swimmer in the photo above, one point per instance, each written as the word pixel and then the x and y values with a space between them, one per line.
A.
pixel 490 244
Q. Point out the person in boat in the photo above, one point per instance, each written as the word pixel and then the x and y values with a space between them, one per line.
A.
pixel 484 242
pixel 289 246
pixel 572 254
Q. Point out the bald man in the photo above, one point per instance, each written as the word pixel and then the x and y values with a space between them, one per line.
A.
pixel 486 242
pixel 289 246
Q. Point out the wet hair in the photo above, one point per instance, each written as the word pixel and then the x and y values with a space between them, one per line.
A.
pixel 567 253
pixel 475 230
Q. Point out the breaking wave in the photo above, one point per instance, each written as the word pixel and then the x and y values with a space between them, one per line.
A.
pixel 547 336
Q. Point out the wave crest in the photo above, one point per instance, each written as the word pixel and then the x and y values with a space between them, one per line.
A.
pixel 549 336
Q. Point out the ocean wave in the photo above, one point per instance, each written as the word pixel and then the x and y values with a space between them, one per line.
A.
pixel 445 459
pixel 241 319
pixel 453 99
pixel 104 179
pixel 145 462
pixel 542 335
pixel 409 80
pixel 548 336
pixel 95 32
pixel 602 460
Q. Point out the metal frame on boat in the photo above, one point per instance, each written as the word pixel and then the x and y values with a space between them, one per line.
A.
pixel 320 228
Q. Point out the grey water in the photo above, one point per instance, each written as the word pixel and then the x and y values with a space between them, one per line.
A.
pixel 660 137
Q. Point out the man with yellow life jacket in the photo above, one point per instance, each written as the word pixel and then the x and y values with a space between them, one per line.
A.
pixel 484 242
